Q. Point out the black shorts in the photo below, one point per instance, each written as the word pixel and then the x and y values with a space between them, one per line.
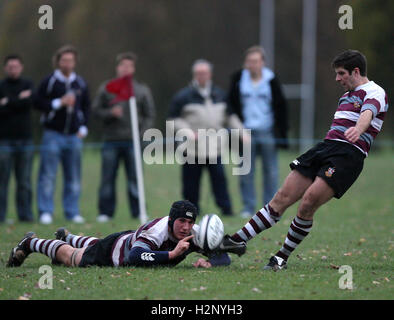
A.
pixel 337 163
pixel 100 253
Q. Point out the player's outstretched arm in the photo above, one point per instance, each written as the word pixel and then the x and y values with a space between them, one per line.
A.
pixel 139 256
pixel 142 256
pixel 215 260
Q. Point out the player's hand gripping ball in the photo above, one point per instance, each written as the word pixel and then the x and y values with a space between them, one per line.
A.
pixel 211 232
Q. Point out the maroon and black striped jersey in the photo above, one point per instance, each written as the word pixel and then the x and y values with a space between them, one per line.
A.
pixel 368 96
pixel 153 235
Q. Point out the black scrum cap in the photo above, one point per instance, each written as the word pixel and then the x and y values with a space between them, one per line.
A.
pixel 182 209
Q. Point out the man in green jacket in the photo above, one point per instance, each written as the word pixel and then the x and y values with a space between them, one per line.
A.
pixel 118 145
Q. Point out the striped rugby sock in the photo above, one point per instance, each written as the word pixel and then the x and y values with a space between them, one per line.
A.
pixel 262 220
pixel 298 230
pixel 48 247
pixel 80 241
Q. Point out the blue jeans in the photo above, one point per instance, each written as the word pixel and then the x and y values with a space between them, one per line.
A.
pixel 17 155
pixel 262 142
pixel 57 147
pixel 112 153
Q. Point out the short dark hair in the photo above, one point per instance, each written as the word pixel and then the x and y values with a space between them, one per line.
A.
pixel 12 56
pixel 126 56
pixel 351 59
pixel 62 50
pixel 255 49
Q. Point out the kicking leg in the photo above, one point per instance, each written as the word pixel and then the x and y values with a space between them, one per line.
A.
pixel 315 196
pixel 291 191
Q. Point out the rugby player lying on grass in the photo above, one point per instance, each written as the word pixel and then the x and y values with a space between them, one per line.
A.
pixel 162 241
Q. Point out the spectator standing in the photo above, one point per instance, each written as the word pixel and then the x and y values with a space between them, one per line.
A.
pixel 63 98
pixel 202 105
pixel 16 150
pixel 255 95
pixel 118 144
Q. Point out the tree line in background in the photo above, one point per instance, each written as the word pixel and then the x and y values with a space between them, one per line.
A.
pixel 168 36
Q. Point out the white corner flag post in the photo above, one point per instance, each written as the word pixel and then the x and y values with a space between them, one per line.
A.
pixel 138 161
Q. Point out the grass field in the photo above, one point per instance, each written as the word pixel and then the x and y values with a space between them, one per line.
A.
pixel 357 231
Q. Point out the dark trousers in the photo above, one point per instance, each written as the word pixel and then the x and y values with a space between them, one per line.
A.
pixel 112 154
pixel 17 155
pixel 191 178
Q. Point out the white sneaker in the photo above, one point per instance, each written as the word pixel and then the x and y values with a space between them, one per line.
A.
pixel 46 218
pixel 103 218
pixel 246 214
pixel 78 219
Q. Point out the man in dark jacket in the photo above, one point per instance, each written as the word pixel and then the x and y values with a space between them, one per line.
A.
pixel 202 105
pixel 16 149
pixel 256 97
pixel 63 98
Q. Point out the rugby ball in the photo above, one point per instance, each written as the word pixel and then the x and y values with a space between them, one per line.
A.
pixel 211 232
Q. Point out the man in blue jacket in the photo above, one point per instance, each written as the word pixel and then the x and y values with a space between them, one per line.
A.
pixel 63 98
pixel 255 95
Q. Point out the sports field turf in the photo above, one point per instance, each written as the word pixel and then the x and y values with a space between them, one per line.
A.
pixel 357 231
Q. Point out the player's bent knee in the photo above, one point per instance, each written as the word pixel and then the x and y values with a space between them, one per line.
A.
pixel 282 199
pixel 308 206
pixel 280 196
